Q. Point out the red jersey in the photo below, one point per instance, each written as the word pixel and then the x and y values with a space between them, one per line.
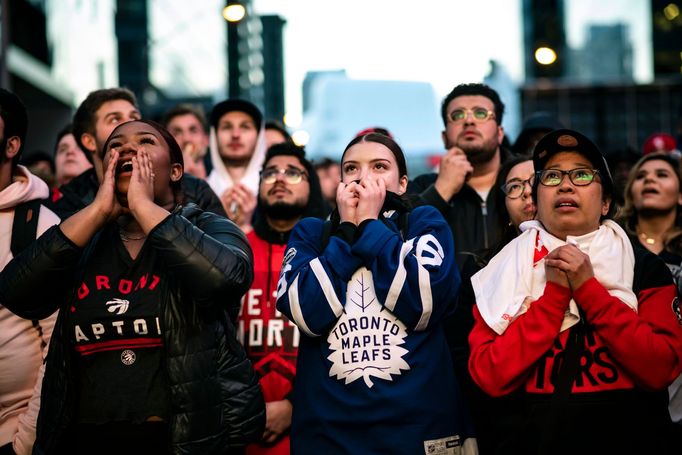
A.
pixel 270 339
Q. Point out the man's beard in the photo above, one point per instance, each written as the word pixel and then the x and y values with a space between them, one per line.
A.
pixel 479 154
pixel 283 210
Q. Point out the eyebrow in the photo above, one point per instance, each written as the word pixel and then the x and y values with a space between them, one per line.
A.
pixel 141 133
pixel 371 161
pixel 579 166
pixel 289 166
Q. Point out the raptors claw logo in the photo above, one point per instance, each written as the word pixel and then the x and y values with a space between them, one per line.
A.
pixel 118 306
pixel 677 309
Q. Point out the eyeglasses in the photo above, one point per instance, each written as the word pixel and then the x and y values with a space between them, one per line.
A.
pixel 578 177
pixel 291 175
pixel 514 189
pixel 478 114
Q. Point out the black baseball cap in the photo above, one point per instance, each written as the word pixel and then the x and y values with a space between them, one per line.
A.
pixel 565 140
pixel 240 105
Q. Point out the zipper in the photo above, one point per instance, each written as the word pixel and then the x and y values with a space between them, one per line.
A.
pixel 484 212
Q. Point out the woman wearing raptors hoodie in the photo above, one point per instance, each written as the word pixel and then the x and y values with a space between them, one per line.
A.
pixel 23 343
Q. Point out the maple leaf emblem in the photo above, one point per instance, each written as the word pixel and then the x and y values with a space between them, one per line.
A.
pixel 366 339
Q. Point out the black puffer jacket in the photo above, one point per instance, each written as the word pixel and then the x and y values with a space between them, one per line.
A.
pixel 81 191
pixel 211 265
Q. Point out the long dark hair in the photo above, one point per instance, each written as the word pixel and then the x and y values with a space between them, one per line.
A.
pixel 503 217
pixel 401 202
pixel 628 215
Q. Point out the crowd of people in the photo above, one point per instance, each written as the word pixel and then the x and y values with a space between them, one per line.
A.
pixel 200 286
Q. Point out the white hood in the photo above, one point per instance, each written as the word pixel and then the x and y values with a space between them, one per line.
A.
pixel 24 187
pixel 220 180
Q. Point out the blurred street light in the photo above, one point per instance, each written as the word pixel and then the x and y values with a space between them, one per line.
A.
pixel 300 137
pixel 234 13
pixel 545 55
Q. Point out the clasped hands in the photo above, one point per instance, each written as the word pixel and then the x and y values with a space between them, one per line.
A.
pixel 568 266
pixel 360 200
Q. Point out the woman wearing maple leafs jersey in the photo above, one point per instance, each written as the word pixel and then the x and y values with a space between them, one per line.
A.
pixel 589 330
pixel 369 290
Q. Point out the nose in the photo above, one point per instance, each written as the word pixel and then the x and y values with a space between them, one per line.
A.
pixel 566 185
pixel 128 146
pixel 527 189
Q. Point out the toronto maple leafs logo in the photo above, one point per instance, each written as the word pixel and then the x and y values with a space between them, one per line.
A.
pixel 118 306
pixel 366 339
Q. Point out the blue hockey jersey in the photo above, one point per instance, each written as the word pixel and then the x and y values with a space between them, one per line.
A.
pixel 374 374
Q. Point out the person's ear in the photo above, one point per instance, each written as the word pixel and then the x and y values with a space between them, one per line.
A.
pixel 605 205
pixel 403 185
pixel 175 172
pixel 88 141
pixel 444 137
pixel 12 147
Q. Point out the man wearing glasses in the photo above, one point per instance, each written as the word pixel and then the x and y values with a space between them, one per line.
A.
pixel 461 191
pixel 288 191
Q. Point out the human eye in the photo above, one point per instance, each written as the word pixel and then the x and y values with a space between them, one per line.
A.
pixel 551 177
pixel 114 119
pixel 349 168
pixel 380 166
pixel 582 175
pixel 147 140
pixel 457 115
pixel 480 113
pixel 270 174
pixel 114 144
pixel 663 174
pixel 640 175
pixel 293 173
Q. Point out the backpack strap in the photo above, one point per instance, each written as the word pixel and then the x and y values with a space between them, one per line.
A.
pixel 25 225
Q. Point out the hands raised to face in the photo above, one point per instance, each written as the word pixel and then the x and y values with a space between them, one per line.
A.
pixel 361 200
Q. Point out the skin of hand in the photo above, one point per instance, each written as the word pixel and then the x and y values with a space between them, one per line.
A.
pixel 347 201
pixel 239 204
pixel 141 187
pixel 81 226
pixel 141 201
pixel 105 200
pixel 371 195
pixel 575 264
pixel 455 169
pixel 277 419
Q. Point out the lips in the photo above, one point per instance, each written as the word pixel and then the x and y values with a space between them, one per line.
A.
pixel 123 167
pixel 649 191
pixel 278 190
pixel 566 203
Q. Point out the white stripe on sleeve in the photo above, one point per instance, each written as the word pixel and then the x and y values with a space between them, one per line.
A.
pixel 399 278
pixel 296 312
pixel 326 286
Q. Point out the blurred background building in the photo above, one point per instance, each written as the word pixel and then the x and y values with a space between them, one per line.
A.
pixel 611 69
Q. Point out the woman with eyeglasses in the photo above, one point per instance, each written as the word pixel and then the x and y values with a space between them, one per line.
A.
pixel 652 215
pixel 490 416
pixel 586 329
pixel 368 291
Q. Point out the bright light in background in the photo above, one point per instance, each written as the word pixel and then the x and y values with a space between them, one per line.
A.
pixel 300 137
pixel 292 119
pixel 545 55
pixel 234 13
pixel 671 11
